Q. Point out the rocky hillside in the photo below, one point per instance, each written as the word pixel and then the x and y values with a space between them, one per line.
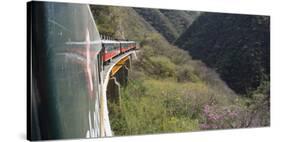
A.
pixel 181 20
pixel 237 46
pixel 169 23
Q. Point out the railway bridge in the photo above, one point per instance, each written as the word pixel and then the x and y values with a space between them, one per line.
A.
pixel 115 75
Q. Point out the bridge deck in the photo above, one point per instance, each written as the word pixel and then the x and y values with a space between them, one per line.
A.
pixel 108 67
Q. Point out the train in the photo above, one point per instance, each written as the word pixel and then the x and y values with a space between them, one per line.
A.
pixel 66 56
pixel 113 48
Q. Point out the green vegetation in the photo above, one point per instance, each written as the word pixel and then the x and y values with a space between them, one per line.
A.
pixel 144 111
pixel 168 91
pixel 106 25
pixel 237 46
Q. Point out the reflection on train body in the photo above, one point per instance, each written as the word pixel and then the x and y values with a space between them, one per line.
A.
pixel 66 78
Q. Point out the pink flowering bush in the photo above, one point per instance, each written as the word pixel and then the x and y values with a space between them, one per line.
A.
pixel 222 117
pixel 251 112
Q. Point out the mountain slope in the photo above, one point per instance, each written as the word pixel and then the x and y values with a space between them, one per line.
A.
pixel 111 22
pixel 160 22
pixel 237 46
pixel 181 20
pixel 169 23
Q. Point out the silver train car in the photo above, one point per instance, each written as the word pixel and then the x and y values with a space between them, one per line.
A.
pixel 64 72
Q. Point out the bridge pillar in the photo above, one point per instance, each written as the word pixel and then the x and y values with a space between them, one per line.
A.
pixel 113 90
pixel 128 64
pixel 115 82
pixel 126 75
pixel 122 75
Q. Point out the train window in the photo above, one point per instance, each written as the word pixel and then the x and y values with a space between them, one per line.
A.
pixel 112 46
pixel 109 47
pixel 116 46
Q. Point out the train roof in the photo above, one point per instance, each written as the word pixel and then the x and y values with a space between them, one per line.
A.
pixel 109 41
pixel 83 42
pixel 116 41
pixel 127 41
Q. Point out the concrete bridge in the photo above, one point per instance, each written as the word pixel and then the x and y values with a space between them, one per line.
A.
pixel 115 75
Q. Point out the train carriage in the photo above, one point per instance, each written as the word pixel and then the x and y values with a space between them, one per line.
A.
pixel 65 72
pixel 126 46
pixel 111 49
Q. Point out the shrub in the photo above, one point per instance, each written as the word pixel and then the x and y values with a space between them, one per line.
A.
pixel 163 67
pixel 221 117
pixel 186 73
